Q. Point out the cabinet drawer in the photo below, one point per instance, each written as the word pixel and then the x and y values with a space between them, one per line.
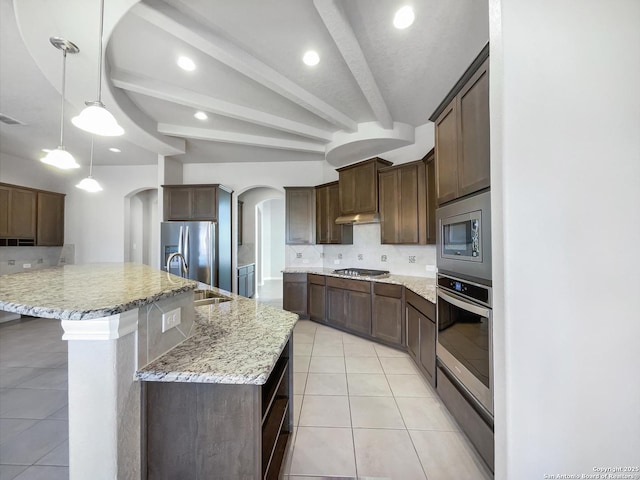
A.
pixel 387 290
pixel 345 284
pixel 295 277
pixel 317 279
pixel 425 307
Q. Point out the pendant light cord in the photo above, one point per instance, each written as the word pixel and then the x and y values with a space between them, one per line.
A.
pixel 100 52
pixel 64 82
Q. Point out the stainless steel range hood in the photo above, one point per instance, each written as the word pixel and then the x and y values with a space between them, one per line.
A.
pixel 359 218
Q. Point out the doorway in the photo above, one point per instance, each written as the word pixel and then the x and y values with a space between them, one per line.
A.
pixel 141 227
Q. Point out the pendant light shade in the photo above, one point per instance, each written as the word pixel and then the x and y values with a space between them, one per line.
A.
pixel 95 118
pixel 90 184
pixel 59 157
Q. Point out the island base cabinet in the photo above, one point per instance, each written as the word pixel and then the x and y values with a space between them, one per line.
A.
pixel 219 431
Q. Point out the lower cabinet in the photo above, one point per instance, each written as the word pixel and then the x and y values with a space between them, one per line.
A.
pixel 349 304
pixel 316 291
pixel 247 280
pixel 206 430
pixel 421 334
pixel 388 315
pixel 294 293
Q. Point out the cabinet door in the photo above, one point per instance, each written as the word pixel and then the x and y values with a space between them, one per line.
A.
pixel 431 201
pixel 366 192
pixel 413 331
pixel 411 203
pixel 389 206
pixel 5 193
pixel 300 213
pixel 473 125
pixel 316 302
pixel 428 345
pixel 294 293
pixel 359 312
pixel 177 203
pixel 251 283
pixel 204 203
pixel 338 234
pixel 22 213
pixel 387 319
pixel 242 282
pixel 336 307
pixel 347 185
pixel 447 154
pixel 322 215
pixel 50 228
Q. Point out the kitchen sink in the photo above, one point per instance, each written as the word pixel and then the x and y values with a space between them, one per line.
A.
pixel 208 297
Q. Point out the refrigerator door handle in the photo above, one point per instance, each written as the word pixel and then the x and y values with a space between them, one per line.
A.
pixel 180 242
pixel 186 248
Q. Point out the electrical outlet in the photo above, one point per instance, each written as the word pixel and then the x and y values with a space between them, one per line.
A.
pixel 305 260
pixel 336 262
pixel 26 265
pixel 170 319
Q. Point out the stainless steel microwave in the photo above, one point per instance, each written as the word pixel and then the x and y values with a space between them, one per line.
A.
pixel 463 238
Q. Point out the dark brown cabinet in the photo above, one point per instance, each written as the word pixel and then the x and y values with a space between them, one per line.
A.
pixel 294 293
pixel 209 430
pixel 30 217
pixel 358 186
pixel 421 334
pixel 300 215
pixel 349 304
pixel 388 314
pixel 327 210
pixel 247 280
pixel 462 135
pixel 191 202
pixel 405 215
pixel 50 219
pixel 316 291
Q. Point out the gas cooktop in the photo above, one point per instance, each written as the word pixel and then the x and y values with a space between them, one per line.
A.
pixel 361 272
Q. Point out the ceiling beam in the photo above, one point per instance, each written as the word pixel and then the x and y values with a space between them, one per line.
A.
pixel 339 28
pixel 216 46
pixel 239 138
pixel 151 87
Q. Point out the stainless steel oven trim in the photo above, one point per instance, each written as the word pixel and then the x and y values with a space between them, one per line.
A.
pixel 478 389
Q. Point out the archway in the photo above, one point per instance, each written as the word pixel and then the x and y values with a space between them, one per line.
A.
pixel 141 227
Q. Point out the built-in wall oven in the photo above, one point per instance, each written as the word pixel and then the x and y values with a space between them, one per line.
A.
pixel 463 238
pixel 464 339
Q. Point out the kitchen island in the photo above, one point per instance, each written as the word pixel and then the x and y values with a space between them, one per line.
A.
pixel 112 318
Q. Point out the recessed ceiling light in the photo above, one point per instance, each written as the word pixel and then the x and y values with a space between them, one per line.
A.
pixel 311 58
pixel 200 115
pixel 404 17
pixel 186 63
pixel 115 150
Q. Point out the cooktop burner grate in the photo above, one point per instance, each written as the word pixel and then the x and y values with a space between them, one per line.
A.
pixel 361 272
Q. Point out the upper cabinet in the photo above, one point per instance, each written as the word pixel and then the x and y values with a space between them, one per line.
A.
pixel 300 215
pixel 191 202
pixel 30 217
pixel 358 186
pixel 462 134
pixel 327 211
pixel 406 214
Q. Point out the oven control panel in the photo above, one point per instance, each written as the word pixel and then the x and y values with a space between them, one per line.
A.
pixel 480 293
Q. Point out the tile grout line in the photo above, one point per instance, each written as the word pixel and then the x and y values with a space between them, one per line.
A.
pixel 353 438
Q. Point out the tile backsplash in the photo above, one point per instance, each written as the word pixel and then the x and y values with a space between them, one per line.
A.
pixel 24 259
pixel 367 252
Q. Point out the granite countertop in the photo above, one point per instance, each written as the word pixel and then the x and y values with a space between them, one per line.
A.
pixel 82 292
pixel 236 342
pixel 423 286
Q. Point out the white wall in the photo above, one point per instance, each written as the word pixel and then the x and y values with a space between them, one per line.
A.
pixel 424 142
pixel 565 126
pixel 33 173
pixel 273 238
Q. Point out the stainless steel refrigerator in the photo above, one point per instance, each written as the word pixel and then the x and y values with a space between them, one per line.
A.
pixel 197 242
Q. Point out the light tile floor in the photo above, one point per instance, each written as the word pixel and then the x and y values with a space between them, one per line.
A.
pixel 270 293
pixel 33 401
pixel 362 410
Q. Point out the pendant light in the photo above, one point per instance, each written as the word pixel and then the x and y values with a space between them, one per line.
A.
pixel 89 183
pixel 95 118
pixel 59 157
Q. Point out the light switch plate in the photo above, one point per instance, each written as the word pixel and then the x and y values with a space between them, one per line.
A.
pixel 170 319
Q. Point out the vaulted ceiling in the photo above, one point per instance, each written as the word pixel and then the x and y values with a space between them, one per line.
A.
pixel 374 83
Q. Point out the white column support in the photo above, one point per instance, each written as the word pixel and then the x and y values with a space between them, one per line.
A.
pixel 104 398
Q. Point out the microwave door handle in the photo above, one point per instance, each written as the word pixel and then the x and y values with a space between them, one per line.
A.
pixel 180 241
pixel 483 312
pixel 186 249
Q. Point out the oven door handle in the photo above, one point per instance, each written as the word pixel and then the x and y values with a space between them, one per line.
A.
pixel 469 307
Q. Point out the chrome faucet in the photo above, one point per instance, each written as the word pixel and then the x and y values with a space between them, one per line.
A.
pixel 184 268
